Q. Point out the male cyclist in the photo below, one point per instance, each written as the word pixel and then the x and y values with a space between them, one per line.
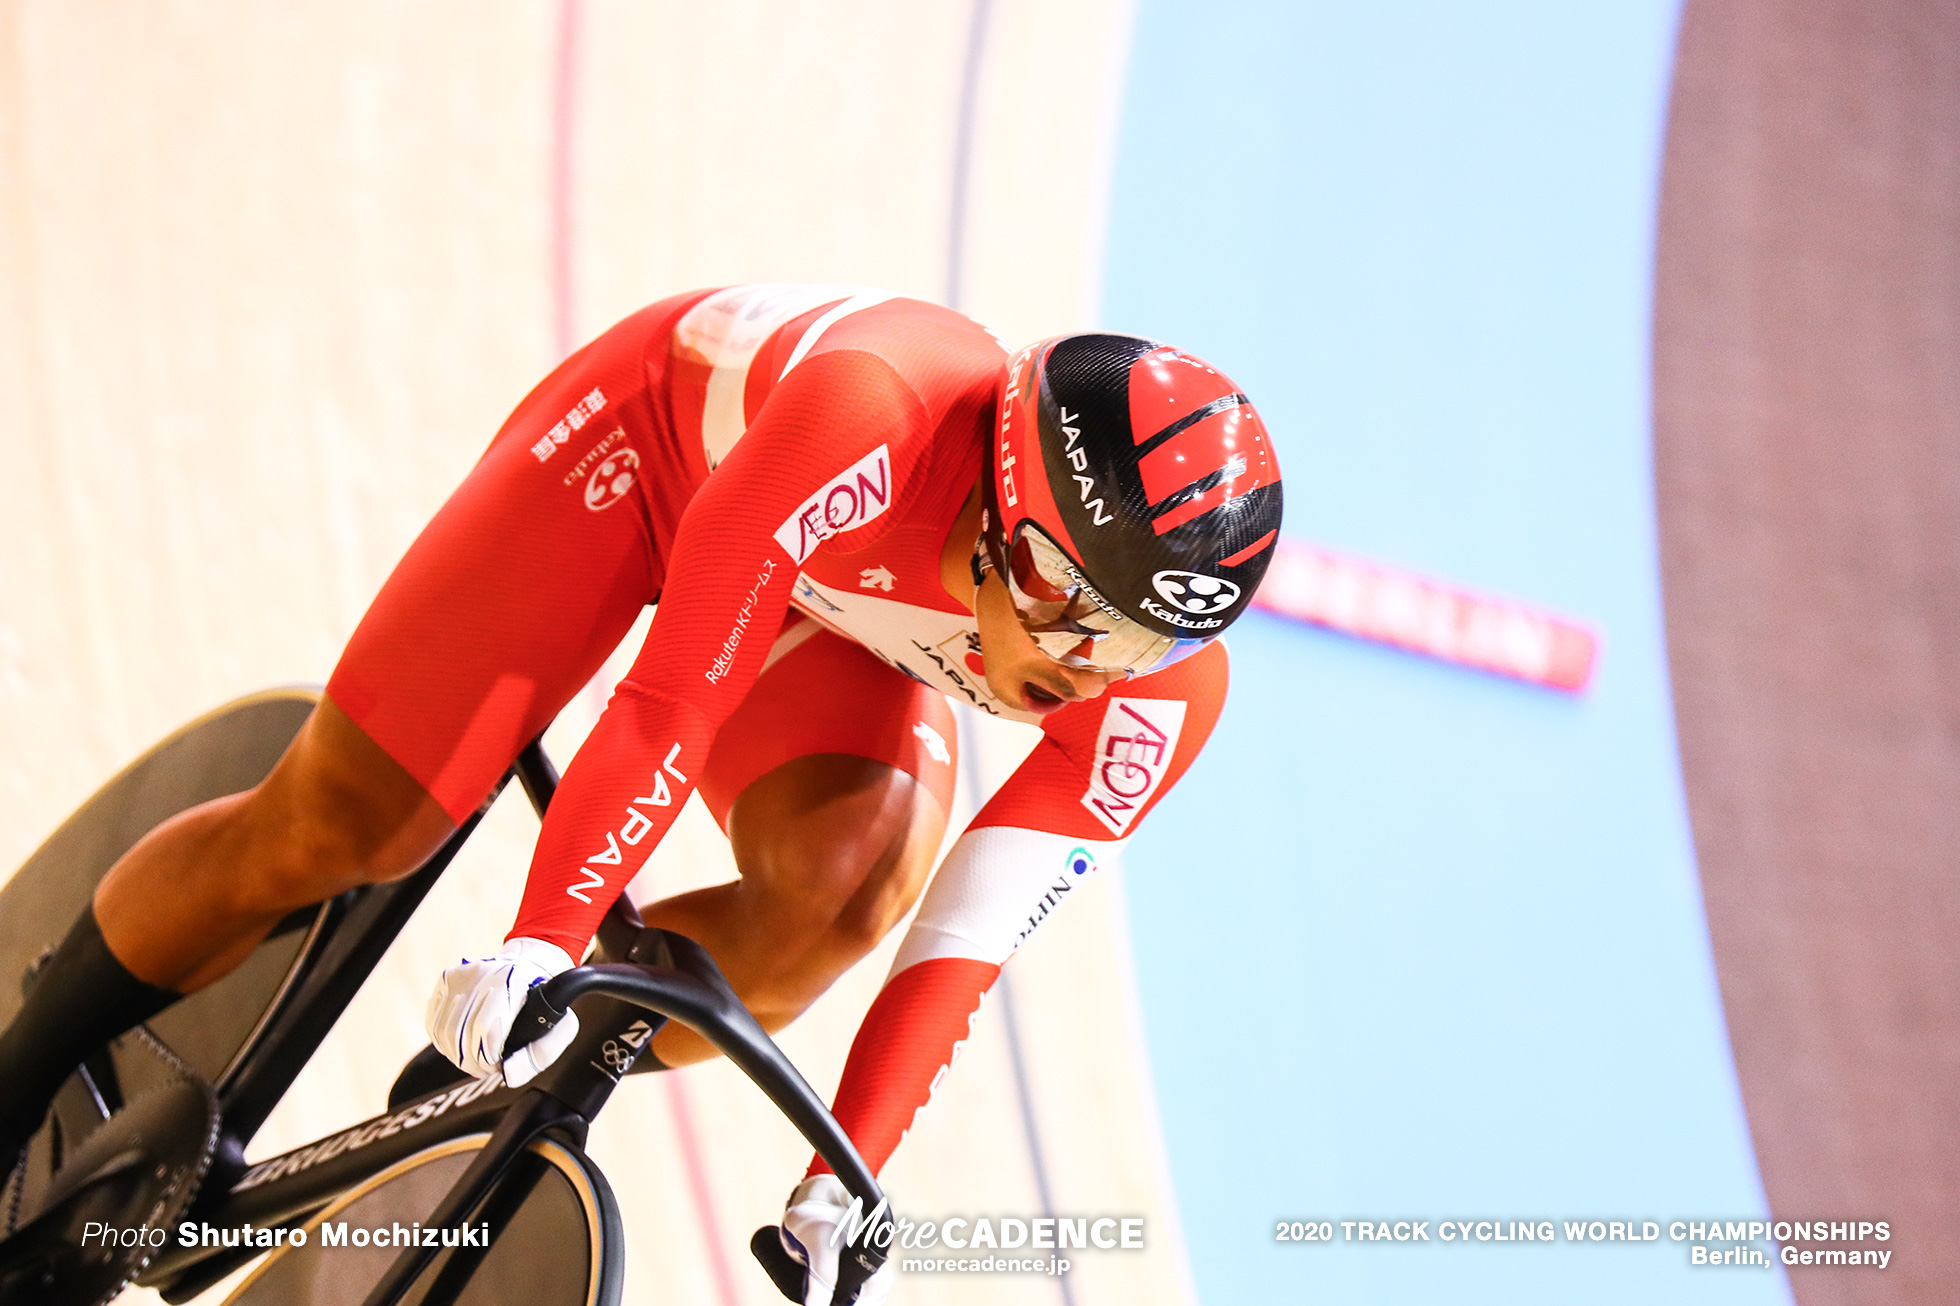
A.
pixel 848 506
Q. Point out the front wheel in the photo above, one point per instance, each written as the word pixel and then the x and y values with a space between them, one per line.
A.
pixel 549 1235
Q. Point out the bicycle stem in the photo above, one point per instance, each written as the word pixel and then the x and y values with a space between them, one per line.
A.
pixel 694 993
pixel 757 1054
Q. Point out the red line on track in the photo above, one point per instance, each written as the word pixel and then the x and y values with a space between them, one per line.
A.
pixel 563 138
pixel 700 1187
pixel 1389 606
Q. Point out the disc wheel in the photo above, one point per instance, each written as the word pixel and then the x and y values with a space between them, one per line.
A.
pixel 207 1034
pixel 555 1237
pixel 227 750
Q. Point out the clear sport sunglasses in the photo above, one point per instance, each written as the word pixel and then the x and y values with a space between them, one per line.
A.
pixel 1065 616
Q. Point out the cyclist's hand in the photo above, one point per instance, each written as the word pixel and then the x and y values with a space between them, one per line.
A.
pixel 809 1233
pixel 476 1002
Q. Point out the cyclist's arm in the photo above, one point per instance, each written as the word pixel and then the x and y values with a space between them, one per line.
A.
pixel 728 584
pixel 1099 769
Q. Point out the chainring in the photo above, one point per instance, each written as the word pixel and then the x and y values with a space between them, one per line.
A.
pixel 138 1171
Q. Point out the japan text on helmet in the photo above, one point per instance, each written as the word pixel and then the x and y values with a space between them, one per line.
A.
pixel 1135 500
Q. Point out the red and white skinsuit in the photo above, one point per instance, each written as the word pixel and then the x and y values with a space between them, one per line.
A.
pixel 779 467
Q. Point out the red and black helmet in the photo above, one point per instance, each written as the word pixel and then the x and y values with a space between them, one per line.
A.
pixel 1135 499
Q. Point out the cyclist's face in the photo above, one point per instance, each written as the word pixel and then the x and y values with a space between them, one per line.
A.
pixel 1018 672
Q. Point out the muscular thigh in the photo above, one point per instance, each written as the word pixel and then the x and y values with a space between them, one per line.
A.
pixel 834 778
pixel 511 598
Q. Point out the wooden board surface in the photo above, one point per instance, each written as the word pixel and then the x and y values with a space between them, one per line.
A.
pixel 270 277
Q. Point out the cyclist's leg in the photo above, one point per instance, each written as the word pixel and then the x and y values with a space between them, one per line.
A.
pixel 501 610
pixel 196 894
pixel 833 780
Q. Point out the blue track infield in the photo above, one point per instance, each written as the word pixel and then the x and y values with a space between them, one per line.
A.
pixel 1416 943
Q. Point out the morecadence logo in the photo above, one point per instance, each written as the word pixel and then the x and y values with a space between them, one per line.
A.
pixel 981 1238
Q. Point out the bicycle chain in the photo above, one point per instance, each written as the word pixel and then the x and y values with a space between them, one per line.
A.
pixel 187 1181
pixel 16 1188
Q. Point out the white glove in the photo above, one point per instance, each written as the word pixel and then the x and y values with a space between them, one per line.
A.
pixel 810 1236
pixel 476 1002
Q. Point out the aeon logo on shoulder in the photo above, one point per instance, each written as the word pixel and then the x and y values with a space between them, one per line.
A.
pixel 1191 592
pixel 858 494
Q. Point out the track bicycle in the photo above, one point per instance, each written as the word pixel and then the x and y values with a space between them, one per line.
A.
pixel 150 1132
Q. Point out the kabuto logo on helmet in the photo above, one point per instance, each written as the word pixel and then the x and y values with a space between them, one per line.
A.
pixel 1139 462
pixel 1018 374
pixel 1194 593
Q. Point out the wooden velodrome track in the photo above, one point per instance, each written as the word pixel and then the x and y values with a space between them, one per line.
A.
pixel 270 276
pixel 1807 444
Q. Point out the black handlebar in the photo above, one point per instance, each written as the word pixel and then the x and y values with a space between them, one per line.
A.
pixel 693 991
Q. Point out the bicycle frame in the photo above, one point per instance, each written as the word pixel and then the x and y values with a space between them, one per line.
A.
pixel 658 976
pixel 361 925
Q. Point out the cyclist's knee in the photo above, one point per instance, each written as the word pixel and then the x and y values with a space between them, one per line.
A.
pixel 843 887
pixel 336 812
pixel 887 890
pixel 827 880
pixel 287 856
pixel 822 825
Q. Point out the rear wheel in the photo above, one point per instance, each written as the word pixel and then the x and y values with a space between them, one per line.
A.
pixel 554 1237
pixel 227 750
pixel 208 1034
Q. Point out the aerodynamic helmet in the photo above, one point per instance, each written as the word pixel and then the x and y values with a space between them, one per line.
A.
pixel 1134 502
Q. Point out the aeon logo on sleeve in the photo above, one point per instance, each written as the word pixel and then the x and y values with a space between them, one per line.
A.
pixel 1196 594
pixel 858 494
pixel 1133 754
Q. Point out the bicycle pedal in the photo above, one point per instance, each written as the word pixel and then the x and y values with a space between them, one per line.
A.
pixel 783 1269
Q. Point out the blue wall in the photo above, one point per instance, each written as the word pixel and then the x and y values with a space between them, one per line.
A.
pixel 1416 942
